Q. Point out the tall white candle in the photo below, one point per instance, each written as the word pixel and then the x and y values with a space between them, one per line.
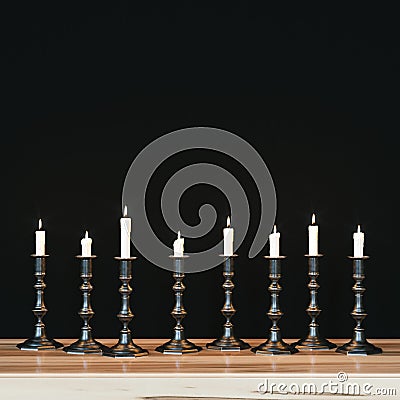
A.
pixel 178 246
pixel 86 244
pixel 313 238
pixel 358 242
pixel 228 238
pixel 40 240
pixel 126 226
pixel 274 243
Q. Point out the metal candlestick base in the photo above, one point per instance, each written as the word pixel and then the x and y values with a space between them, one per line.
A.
pixel 314 341
pixel 40 341
pixel 125 346
pixel 228 341
pixel 85 344
pixel 359 345
pixel 178 344
pixel 274 344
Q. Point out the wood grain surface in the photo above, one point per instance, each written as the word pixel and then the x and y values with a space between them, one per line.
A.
pixel 15 362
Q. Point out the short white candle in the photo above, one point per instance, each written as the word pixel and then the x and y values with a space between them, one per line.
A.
pixel 40 240
pixel 274 243
pixel 179 245
pixel 228 238
pixel 86 244
pixel 358 242
pixel 313 238
pixel 126 225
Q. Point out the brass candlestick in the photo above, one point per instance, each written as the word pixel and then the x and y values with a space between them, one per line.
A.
pixel 39 341
pixel 125 346
pixel 85 344
pixel 228 341
pixel 359 345
pixel 274 344
pixel 314 341
pixel 178 344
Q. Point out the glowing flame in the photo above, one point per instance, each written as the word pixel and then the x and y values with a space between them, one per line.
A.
pixel 274 228
pixel 179 235
pixel 359 229
pixel 86 235
pixel 125 211
pixel 228 222
pixel 313 219
pixel 40 224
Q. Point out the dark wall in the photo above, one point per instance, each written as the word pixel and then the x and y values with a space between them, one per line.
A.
pixel 315 92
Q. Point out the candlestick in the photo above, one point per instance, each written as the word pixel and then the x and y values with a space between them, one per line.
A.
pixel 358 243
pixel 228 238
pixel 125 224
pixel 314 341
pixel 85 344
pixel 228 341
pixel 178 344
pixel 274 243
pixel 39 341
pixel 86 244
pixel 179 246
pixel 359 345
pixel 274 344
pixel 125 346
pixel 40 240
pixel 313 238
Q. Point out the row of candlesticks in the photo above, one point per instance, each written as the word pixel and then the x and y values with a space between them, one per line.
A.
pixel 274 345
pixel 228 234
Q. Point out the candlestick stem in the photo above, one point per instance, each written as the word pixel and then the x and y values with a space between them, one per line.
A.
pixel 85 344
pixel 178 344
pixel 39 341
pixel 228 341
pixel 274 344
pixel 314 341
pixel 125 346
pixel 359 345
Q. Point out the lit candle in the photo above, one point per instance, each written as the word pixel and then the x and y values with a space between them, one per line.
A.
pixel 358 241
pixel 274 243
pixel 313 238
pixel 40 240
pixel 86 244
pixel 228 238
pixel 178 246
pixel 125 234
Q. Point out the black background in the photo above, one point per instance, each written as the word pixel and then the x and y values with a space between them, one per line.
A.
pixel 87 87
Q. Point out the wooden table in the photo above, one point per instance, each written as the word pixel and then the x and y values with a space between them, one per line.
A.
pixel 57 375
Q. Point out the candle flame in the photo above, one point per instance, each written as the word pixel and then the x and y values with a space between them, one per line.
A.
pixel 359 229
pixel 125 211
pixel 228 222
pixel 40 224
pixel 179 234
pixel 313 219
pixel 274 228
pixel 86 235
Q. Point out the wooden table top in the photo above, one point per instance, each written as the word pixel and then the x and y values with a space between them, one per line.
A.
pixel 17 362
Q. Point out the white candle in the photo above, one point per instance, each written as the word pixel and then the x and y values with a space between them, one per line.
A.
pixel 126 224
pixel 358 241
pixel 178 246
pixel 86 244
pixel 40 240
pixel 313 238
pixel 228 238
pixel 274 243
